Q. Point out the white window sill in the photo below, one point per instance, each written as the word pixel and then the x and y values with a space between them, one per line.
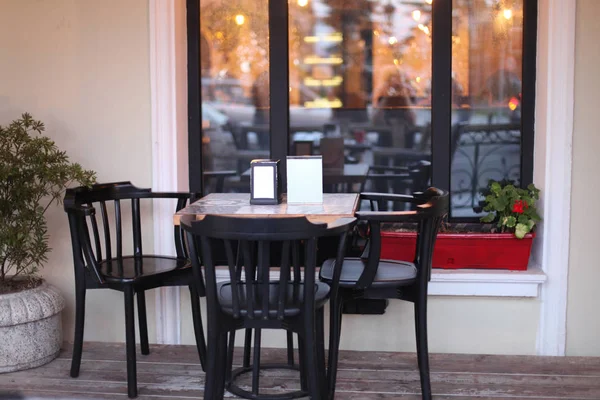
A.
pixel 470 282
pixel 494 283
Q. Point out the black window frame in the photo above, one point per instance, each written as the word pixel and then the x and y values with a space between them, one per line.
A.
pixel 441 108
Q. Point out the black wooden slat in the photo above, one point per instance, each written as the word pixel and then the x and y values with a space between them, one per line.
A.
pixel 119 228
pixel 106 226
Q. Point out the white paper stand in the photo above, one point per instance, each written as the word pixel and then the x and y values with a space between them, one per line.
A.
pixel 304 179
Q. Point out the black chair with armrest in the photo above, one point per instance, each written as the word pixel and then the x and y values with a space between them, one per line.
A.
pixel 414 177
pixel 249 299
pixel 214 181
pixel 101 262
pixel 369 277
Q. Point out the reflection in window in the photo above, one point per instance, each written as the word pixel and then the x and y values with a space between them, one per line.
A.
pixel 235 91
pixel 487 55
pixel 360 83
pixel 360 92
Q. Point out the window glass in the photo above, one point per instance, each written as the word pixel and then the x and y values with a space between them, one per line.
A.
pixel 360 84
pixel 234 64
pixel 487 51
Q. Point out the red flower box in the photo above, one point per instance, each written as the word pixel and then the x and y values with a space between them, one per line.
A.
pixel 463 250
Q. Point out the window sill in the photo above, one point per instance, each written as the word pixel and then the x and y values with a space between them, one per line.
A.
pixel 493 283
pixel 470 282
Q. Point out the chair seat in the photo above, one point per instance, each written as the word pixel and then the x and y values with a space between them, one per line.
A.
pixel 131 269
pixel 390 273
pixel 293 303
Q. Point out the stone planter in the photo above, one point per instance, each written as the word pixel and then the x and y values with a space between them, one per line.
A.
pixel 30 327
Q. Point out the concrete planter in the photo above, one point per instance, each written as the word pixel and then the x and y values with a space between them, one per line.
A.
pixel 30 327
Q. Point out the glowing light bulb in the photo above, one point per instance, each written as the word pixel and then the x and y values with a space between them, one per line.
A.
pixel 240 19
pixel 508 13
pixel 416 15
pixel 429 1
pixel 302 3
pixel 392 40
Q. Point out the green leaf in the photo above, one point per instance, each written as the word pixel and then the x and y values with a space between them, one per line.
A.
pixel 488 218
pixel 523 219
pixel 521 230
pixel 495 187
pixel 510 221
pixel 34 173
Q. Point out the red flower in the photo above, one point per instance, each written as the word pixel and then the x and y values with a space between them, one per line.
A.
pixel 520 206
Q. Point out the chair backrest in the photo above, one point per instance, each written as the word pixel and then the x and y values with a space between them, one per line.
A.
pixel 249 245
pixel 94 241
pixel 413 176
pixel 430 208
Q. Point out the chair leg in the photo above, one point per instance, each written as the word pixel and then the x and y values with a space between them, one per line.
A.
pixel 222 365
pixel 143 323
pixel 198 329
pixel 130 342
pixel 256 362
pixel 290 347
pixel 247 345
pixel 79 323
pixel 335 323
pixel 229 365
pixel 310 355
pixel 320 333
pixel 302 364
pixel 422 347
pixel 211 380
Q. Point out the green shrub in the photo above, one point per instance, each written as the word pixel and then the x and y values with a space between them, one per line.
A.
pixel 34 174
pixel 511 208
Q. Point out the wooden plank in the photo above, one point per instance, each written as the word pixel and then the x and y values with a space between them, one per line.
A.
pixel 371 360
pixel 80 395
pixel 173 372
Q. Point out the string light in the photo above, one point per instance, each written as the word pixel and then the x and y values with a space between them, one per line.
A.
pixel 240 19
pixel 416 14
pixel 302 3
pixel 508 13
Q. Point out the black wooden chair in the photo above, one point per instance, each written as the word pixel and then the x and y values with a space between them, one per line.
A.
pixel 369 277
pixel 250 300
pixel 413 177
pixel 101 262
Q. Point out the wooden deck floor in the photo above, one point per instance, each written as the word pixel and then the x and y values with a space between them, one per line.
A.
pixel 173 372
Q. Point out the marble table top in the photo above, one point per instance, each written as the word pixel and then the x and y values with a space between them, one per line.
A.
pixel 334 206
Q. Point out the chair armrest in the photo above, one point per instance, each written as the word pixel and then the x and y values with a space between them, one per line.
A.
pixel 341 224
pixel 389 216
pixel 388 168
pixel 389 197
pixel 81 210
pixel 220 173
pixel 172 195
pixel 389 176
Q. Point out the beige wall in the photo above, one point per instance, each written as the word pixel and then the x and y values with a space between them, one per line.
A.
pixel 456 325
pixel 82 67
pixel 583 314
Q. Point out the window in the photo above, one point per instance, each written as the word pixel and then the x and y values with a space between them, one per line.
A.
pixel 396 95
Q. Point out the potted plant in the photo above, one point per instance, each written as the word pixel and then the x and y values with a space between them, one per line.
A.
pixel 503 241
pixel 33 176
